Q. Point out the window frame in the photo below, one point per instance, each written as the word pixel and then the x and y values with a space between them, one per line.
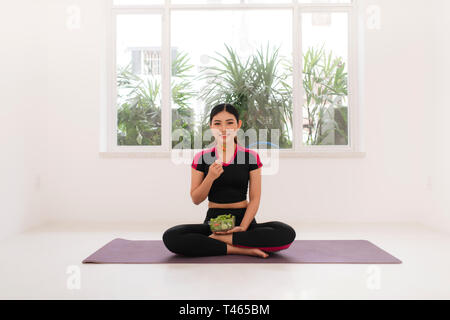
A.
pixel 108 135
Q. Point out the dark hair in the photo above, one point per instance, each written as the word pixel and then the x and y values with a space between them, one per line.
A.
pixel 224 107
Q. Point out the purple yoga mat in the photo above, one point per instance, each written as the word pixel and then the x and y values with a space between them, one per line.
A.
pixel 301 251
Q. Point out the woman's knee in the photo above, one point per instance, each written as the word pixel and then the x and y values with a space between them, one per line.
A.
pixel 175 239
pixel 288 232
pixel 171 237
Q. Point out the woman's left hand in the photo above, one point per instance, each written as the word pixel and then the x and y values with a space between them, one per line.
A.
pixel 235 229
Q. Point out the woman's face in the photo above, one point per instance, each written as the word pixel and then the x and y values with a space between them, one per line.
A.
pixel 224 127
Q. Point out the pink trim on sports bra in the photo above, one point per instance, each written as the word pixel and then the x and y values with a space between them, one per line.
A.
pixel 234 156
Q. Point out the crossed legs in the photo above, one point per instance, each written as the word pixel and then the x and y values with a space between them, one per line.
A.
pixel 198 240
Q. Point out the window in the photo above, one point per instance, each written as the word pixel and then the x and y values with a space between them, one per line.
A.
pixel 138 79
pixel 288 65
pixel 325 78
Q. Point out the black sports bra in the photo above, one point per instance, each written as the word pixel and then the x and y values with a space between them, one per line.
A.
pixel 232 184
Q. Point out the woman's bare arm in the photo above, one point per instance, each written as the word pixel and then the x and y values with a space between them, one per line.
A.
pixel 200 186
pixel 255 197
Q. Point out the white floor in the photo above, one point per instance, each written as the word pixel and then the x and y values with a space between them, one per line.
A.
pixel 45 263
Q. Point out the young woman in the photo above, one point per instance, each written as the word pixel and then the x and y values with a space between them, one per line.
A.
pixel 222 173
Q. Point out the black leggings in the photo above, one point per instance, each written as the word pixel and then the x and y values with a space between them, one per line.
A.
pixel 193 239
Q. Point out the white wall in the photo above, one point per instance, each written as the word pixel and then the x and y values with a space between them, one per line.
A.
pixel 440 215
pixel 390 184
pixel 23 87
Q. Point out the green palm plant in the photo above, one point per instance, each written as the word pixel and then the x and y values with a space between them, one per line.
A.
pixel 182 93
pixel 325 85
pixel 139 104
pixel 139 112
pixel 256 87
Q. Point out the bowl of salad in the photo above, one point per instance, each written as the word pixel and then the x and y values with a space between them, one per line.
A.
pixel 222 223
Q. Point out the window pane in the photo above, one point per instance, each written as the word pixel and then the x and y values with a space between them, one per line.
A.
pixel 233 56
pixel 325 58
pixel 138 79
pixel 137 2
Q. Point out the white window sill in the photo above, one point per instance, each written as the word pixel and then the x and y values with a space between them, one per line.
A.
pixel 281 154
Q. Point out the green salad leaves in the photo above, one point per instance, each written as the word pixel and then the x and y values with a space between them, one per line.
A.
pixel 223 222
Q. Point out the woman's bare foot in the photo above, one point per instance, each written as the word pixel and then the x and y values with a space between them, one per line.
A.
pixel 238 250
pixel 260 253
pixel 227 238
pixel 246 251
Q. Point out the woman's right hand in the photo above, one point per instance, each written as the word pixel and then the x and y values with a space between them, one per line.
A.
pixel 215 170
